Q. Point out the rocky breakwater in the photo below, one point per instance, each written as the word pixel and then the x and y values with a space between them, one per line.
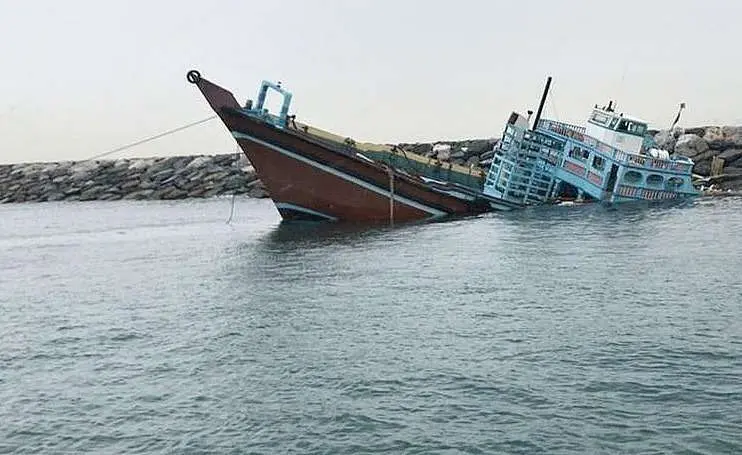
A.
pixel 177 177
pixel 139 178
pixel 715 150
pixel 478 152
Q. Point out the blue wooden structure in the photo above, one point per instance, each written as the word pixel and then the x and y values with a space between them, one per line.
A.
pixel 608 160
pixel 260 111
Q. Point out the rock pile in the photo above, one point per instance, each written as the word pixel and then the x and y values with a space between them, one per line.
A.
pixel 477 151
pixel 708 145
pixel 717 152
pixel 142 178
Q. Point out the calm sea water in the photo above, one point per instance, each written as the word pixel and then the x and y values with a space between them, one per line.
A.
pixel 158 328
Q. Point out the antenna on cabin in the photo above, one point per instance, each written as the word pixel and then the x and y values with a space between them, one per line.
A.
pixel 541 104
pixel 677 117
pixel 530 113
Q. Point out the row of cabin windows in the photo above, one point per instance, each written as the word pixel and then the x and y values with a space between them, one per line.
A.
pixel 582 154
pixel 619 124
pixel 628 126
pixel 544 140
pixel 634 177
pixel 601 118
pixel 529 136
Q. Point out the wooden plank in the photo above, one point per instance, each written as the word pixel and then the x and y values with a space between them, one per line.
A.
pixel 717 166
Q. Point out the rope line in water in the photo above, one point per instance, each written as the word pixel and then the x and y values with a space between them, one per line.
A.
pixel 234 193
pixel 152 138
pixel 167 133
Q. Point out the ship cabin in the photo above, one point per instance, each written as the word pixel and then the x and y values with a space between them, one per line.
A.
pixel 610 159
pixel 617 130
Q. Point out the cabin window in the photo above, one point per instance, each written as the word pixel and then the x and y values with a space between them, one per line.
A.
pixel 579 153
pixel 631 127
pixel 674 183
pixel 632 177
pixel 655 179
pixel 551 143
pixel 598 162
pixel 636 128
pixel 600 118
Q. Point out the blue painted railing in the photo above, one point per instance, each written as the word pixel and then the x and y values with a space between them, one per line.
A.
pixel 607 151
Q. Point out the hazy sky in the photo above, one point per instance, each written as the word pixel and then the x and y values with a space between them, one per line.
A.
pixel 80 77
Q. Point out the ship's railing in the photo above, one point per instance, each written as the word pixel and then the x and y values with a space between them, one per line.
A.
pixel 565 129
pixel 517 173
pixel 578 133
pixel 657 163
pixel 646 193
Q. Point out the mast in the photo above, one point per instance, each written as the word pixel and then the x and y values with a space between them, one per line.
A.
pixel 541 105
pixel 677 118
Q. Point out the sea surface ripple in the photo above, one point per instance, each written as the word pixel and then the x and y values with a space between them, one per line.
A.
pixel 155 327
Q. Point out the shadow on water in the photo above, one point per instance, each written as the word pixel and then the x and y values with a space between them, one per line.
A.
pixel 314 245
pixel 295 237
pixel 304 252
pixel 319 234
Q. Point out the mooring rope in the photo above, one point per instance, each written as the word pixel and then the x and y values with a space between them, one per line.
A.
pixel 152 138
pixel 167 133
pixel 234 193
pixel 391 195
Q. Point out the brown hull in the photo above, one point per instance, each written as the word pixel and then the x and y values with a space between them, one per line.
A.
pixel 300 190
pixel 310 180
